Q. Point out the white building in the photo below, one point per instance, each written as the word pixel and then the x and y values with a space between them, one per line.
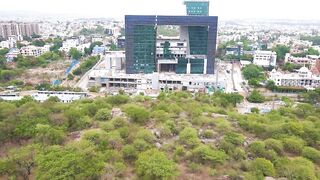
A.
pixel 34 50
pixel 265 58
pixel 82 47
pixel 303 78
pixel 309 60
pixel 113 61
pixel 155 81
pixel 68 44
pixel 63 96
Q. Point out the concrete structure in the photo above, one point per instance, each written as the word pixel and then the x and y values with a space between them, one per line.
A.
pixel 68 44
pixel 18 29
pixel 64 96
pixel 34 50
pixel 113 61
pixel 155 81
pixel 303 78
pixel 265 58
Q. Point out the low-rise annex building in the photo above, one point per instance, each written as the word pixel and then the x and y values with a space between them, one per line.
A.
pixel 303 78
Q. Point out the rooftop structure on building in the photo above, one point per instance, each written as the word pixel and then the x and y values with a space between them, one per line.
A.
pixel 197 7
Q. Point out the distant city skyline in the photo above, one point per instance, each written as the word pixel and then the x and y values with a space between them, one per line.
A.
pixel 225 9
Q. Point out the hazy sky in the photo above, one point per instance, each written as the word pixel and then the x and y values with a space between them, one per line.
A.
pixel 225 9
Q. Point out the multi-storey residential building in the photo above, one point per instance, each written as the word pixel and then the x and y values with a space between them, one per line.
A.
pixel 18 29
pixel 265 58
pixel 303 78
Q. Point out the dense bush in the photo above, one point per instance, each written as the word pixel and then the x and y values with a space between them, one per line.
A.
pixel 136 113
pixel 189 136
pixel 261 166
pixel 205 154
pixel 312 154
pixel 154 164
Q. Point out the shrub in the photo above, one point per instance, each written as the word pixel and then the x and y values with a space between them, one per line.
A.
pixel 103 115
pixel 312 154
pixel 154 164
pixel 118 99
pixel 238 154
pixel 297 169
pixel 257 148
pixel 189 136
pixel 234 138
pixel 205 154
pixel 275 145
pixel 261 166
pixel 137 113
pixel 208 134
pixel 256 97
pixel 146 135
pixel 293 145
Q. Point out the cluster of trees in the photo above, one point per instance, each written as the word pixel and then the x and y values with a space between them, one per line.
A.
pixel 41 61
pixel 87 32
pixel 86 65
pixel 281 51
pixel 169 138
pixel 310 51
pixel 253 74
pixel 314 39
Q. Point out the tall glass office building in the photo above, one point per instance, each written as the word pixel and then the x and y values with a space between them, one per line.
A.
pixel 192 53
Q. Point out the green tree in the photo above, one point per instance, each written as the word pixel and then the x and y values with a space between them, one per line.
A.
pixel 137 113
pixel 189 136
pixel 252 72
pixel 39 43
pixel 20 162
pixel 75 54
pixel 4 51
pixel 75 161
pixel 154 164
pixel 281 51
pixel 103 115
pixel 46 134
pixel 256 97
pixel 271 85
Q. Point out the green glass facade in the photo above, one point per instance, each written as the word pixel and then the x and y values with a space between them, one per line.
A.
pixel 197 8
pixel 197 66
pixel 182 66
pixel 144 48
pixel 198 39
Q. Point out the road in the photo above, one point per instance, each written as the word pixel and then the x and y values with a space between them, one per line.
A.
pixel 225 74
